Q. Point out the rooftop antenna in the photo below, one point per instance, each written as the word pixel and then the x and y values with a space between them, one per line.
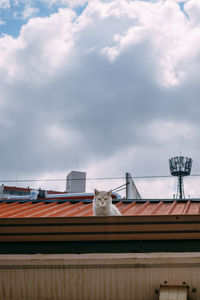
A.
pixel 180 166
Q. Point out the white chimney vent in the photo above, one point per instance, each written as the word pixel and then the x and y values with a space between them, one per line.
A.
pixel 76 182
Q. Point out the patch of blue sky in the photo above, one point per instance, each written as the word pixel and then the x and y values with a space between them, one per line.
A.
pixel 13 18
pixel 11 25
pixel 79 9
pixel 181 4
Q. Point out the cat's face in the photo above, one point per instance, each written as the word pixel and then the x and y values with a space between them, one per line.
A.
pixel 102 198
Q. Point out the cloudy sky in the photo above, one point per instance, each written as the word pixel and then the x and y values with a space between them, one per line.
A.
pixel 103 86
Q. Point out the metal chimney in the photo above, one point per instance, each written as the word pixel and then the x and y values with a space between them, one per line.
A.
pixel 76 182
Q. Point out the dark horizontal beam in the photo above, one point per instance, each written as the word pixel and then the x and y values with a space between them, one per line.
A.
pixel 139 246
pixel 117 228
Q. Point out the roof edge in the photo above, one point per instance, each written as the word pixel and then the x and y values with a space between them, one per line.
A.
pixel 110 228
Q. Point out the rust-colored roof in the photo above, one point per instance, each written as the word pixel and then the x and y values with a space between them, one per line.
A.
pixel 66 208
pixel 110 228
pixel 28 189
pixel 16 189
pixel 72 220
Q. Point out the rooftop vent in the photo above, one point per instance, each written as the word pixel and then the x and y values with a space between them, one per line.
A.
pixel 76 182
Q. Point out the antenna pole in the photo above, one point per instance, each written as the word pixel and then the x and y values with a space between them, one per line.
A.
pixel 180 166
pixel 181 191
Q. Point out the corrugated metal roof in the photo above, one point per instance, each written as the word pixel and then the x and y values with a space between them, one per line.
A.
pixel 66 208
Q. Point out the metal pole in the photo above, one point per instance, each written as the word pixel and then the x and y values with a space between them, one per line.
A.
pixel 127 183
pixel 180 187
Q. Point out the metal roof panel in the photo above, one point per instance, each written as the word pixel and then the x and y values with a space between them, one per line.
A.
pixel 66 208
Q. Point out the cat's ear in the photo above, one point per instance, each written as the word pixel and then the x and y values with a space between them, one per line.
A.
pixel 110 193
pixel 96 192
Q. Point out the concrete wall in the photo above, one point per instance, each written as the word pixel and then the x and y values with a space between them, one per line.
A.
pixel 97 276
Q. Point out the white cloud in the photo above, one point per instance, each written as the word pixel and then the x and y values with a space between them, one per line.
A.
pixel 4 4
pixel 161 25
pixel 192 8
pixel 29 11
pixel 2 22
pixel 70 3
pixel 117 87
pixel 165 28
pixel 40 49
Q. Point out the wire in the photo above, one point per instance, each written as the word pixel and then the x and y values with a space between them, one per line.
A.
pixel 95 178
pixel 120 190
pixel 119 187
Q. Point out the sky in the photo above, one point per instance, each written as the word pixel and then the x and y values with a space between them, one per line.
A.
pixel 105 87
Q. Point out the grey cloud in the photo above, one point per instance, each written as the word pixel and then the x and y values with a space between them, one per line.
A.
pixel 110 105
